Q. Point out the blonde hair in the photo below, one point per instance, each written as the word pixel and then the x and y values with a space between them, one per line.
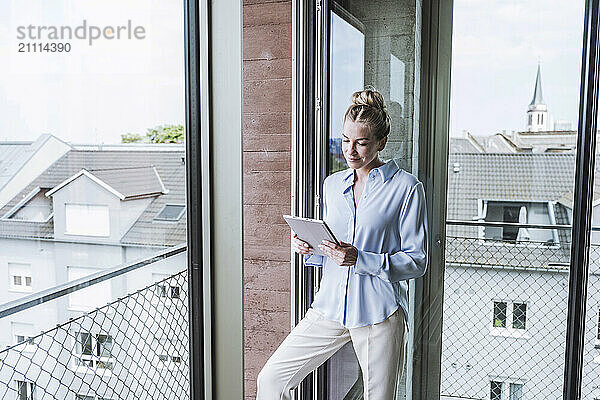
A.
pixel 369 108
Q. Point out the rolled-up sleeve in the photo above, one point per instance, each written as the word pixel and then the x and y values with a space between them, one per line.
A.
pixel 411 261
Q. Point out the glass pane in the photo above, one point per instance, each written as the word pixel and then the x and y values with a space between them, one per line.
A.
pixel 21 390
pixel 371 44
pixel 161 290
pixel 170 212
pixel 516 70
pixel 516 391
pixel 105 345
pixel 519 315
pixel 495 390
pixel 347 76
pixel 499 314
pixel 92 108
pixel 87 220
pixel 36 208
pixel 84 343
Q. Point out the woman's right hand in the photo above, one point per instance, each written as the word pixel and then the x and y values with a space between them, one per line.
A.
pixel 300 246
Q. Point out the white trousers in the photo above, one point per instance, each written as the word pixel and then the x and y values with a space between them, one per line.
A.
pixel 379 349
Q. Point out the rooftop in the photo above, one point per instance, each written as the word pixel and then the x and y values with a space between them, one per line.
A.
pixel 131 173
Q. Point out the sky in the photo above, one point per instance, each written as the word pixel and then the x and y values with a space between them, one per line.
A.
pixel 92 94
pixel 497 45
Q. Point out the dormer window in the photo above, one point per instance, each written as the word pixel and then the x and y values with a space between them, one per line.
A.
pixel 521 212
pixel 87 220
pixel 35 207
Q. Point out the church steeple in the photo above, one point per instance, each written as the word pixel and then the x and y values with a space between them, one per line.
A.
pixel 537 93
pixel 537 112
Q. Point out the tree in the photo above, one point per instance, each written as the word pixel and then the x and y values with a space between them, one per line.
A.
pixel 158 134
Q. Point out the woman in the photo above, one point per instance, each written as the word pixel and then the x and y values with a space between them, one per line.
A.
pixel 379 212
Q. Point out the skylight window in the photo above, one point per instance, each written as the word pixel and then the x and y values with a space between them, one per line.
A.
pixel 170 212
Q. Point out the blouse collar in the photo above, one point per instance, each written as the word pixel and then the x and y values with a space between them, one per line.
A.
pixel 386 171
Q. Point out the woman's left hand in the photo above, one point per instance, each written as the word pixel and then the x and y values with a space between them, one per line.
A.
pixel 346 254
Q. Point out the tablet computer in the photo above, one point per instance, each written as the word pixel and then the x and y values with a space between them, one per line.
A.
pixel 312 231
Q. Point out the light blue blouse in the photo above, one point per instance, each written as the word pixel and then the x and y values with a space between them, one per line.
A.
pixel 389 229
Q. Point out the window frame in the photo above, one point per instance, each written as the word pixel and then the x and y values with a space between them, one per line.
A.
pixel 23 203
pixel 170 353
pixel 181 212
pixel 436 41
pixel 27 333
pixel 482 208
pixel 104 234
pixel 496 382
pixel 94 358
pixel 309 114
pixel 23 287
pixel 510 386
pixel 29 385
pixel 213 95
pixel 506 385
pixel 163 286
pixel 508 330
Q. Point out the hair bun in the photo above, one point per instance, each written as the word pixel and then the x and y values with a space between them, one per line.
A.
pixel 369 98
pixel 368 107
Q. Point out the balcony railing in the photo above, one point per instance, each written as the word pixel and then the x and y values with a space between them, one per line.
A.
pixel 135 347
pixel 505 313
pixel 505 305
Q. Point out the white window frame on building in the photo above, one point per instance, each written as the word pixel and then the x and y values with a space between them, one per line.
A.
pixel 506 387
pixel 96 362
pixel 87 219
pixel 19 277
pixel 29 389
pixel 482 206
pixel 509 330
pixel 165 290
pixel 23 332
pixel 167 357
